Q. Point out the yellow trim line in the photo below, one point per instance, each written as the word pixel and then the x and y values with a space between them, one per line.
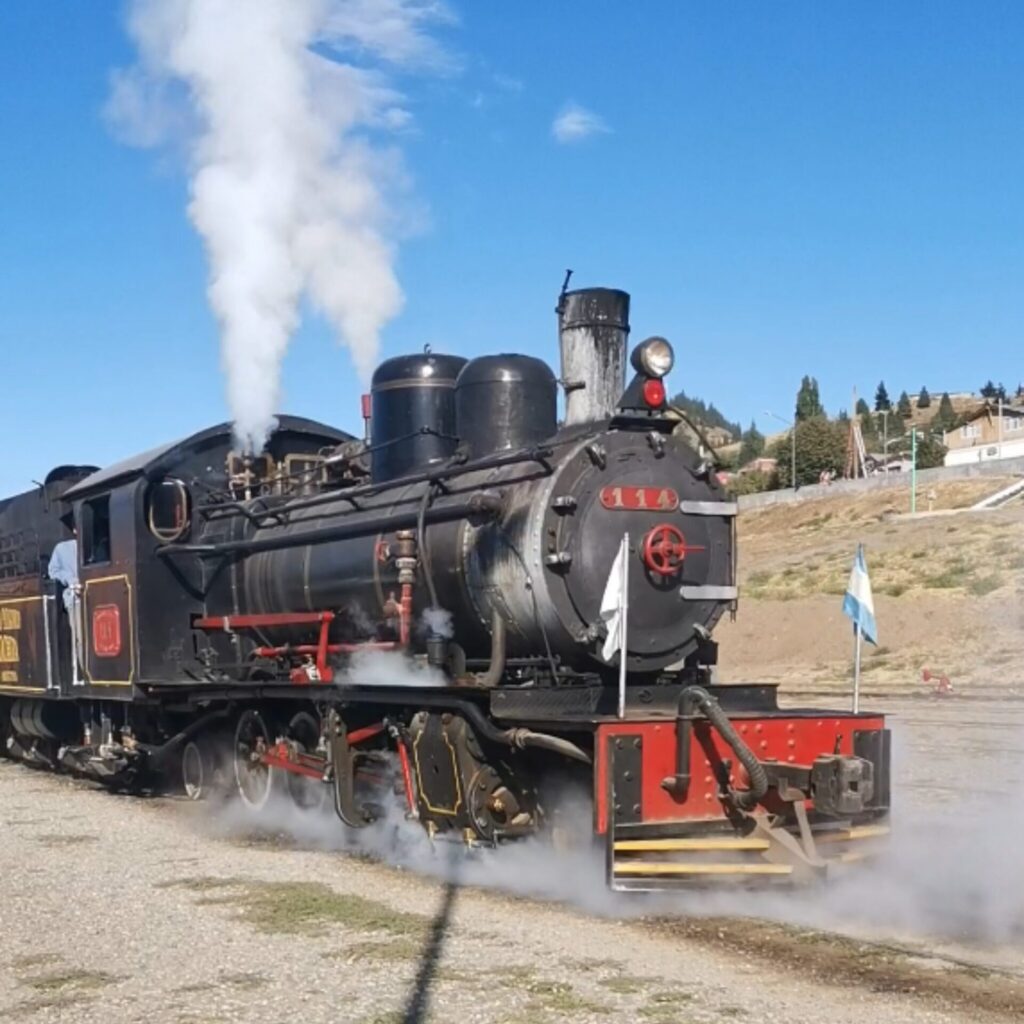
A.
pixel 706 843
pixel 850 834
pixel 629 868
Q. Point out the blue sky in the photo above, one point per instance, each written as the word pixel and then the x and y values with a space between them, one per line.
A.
pixel 784 189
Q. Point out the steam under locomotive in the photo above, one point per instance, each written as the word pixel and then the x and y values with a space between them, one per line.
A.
pixel 418 613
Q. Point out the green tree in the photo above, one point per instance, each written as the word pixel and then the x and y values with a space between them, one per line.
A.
pixel 903 406
pixel 923 399
pixel 820 445
pixel 989 390
pixel 705 413
pixel 882 398
pixel 931 452
pixel 753 444
pixel 946 416
pixel 808 401
pixel 752 483
pixel 869 428
pixel 728 460
pixel 862 407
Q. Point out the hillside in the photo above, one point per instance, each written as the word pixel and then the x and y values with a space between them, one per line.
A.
pixel 949 594
pixel 707 415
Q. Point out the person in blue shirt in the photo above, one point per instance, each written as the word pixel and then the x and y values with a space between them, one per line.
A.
pixel 63 569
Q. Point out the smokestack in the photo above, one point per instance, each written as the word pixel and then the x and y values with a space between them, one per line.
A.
pixel 593 325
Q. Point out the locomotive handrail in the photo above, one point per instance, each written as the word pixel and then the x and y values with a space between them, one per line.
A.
pixel 538 454
pixel 483 505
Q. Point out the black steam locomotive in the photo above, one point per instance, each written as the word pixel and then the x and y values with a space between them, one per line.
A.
pixel 420 611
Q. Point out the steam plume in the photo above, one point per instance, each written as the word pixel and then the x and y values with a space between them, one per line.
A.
pixel 276 104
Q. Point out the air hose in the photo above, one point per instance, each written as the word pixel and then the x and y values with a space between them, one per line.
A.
pixel 695 698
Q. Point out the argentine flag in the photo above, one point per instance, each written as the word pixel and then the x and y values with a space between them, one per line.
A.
pixel 858 603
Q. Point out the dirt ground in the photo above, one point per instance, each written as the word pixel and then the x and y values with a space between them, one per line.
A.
pixel 118 908
pixel 127 909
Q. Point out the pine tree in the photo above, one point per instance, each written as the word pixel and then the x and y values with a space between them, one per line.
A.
pixel 931 452
pixel 808 401
pixel 989 390
pixel 903 406
pixel 882 398
pixel 946 416
pixel 862 407
pixel 923 399
pixel 753 444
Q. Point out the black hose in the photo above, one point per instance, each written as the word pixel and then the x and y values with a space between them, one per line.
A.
pixel 698 697
pixel 158 753
pixel 544 741
pixel 496 667
pixel 520 737
pixel 538 620
pixel 421 542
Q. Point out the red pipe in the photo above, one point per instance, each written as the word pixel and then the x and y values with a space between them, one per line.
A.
pixel 358 735
pixel 403 757
pixel 405 614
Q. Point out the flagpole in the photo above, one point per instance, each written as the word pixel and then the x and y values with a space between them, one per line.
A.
pixel 856 669
pixel 624 628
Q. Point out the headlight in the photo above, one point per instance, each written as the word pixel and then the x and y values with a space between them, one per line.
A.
pixel 653 357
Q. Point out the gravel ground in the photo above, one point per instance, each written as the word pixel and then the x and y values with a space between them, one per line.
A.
pixel 128 909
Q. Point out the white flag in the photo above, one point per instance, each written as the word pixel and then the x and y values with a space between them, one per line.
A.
pixel 858 603
pixel 613 606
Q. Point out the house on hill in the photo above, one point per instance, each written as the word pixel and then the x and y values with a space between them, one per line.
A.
pixel 990 432
pixel 762 464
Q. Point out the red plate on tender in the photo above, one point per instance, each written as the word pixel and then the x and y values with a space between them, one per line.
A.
pixel 639 499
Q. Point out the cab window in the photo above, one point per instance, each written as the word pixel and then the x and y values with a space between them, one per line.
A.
pixel 168 510
pixel 96 530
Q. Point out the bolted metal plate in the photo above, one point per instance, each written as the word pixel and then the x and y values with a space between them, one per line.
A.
pixel 874 745
pixel 625 763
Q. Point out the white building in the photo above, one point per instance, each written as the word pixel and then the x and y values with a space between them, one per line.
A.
pixel 993 432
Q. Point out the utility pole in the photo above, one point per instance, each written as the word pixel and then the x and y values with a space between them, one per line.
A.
pixel 885 439
pixel 792 444
pixel 913 470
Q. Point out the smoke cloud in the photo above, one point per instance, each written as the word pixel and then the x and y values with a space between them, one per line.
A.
pixel 389 668
pixel 279 107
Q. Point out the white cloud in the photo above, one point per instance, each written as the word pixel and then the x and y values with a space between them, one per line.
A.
pixel 575 123
pixel 508 83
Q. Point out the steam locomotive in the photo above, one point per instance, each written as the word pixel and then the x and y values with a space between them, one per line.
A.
pixel 416 615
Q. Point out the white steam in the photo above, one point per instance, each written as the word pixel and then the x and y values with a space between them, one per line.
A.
pixel 389 668
pixel 275 103
pixel 438 622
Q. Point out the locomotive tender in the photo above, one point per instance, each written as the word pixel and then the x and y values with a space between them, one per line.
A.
pixel 417 613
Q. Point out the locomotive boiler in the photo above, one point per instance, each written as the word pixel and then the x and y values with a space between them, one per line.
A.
pixel 422 608
pixel 516 526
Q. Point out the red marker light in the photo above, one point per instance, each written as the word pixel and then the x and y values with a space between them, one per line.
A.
pixel 365 403
pixel 654 393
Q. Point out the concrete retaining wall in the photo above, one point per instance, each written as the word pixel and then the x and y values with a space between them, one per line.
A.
pixel 925 477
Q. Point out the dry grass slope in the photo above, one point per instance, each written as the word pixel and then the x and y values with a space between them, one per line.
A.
pixel 949 588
